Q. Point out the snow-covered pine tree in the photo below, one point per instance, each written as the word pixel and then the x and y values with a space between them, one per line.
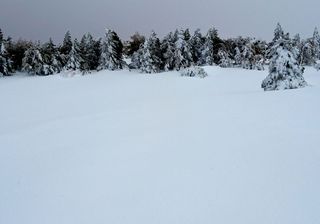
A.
pixel 65 48
pixel 208 52
pixel 197 42
pixel 168 48
pixel 136 41
pixel 136 59
pixel 259 48
pixel 182 54
pixel 307 54
pixel 111 52
pixel 225 60
pixel 316 43
pixel 247 55
pixel 51 58
pixel 278 34
pixel 74 57
pixel 89 52
pixel 85 53
pixel 151 61
pixel 237 57
pixel 5 61
pixel 32 62
pixel 284 70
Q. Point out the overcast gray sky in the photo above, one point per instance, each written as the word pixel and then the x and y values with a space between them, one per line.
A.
pixel 41 19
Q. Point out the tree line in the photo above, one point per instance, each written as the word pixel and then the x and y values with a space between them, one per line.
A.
pixel 177 50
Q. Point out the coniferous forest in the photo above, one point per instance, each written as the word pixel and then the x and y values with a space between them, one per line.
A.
pixel 177 50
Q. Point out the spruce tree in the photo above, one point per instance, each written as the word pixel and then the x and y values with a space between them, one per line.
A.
pixel 197 42
pixel 284 70
pixel 307 54
pixel 32 62
pixel 136 59
pixel 88 53
pixel 51 58
pixel 247 55
pixel 211 47
pixel 225 60
pixel 168 48
pixel 182 54
pixel 111 52
pixel 151 61
pixel 66 48
pixel 135 43
pixel 74 58
pixel 278 33
pixel 316 43
pixel 238 57
pixel 5 61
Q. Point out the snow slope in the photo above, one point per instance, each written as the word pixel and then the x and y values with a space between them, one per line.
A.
pixel 123 148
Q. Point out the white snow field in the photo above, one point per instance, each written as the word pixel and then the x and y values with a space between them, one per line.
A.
pixel 129 148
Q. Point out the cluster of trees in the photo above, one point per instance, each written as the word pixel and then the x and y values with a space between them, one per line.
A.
pixel 177 50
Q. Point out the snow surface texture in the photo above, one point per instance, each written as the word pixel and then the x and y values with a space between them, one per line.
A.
pixel 123 148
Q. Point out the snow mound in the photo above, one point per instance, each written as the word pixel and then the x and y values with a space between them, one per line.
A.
pixel 194 72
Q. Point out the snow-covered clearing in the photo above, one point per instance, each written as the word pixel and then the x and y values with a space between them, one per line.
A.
pixel 124 148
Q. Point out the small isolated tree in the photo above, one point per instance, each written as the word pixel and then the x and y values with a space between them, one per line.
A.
pixel 32 62
pixel 74 57
pixel 284 70
pixel 111 52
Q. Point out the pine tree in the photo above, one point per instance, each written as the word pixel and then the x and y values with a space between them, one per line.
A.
pixel 137 40
pixel 211 47
pixel 75 60
pixel 151 61
pixel 259 58
pixel 307 52
pixel 85 53
pixel 16 52
pixel 32 62
pixel 111 52
pixel 168 48
pixel 182 54
pixel 136 59
pixel 247 55
pixel 278 33
pixel 66 48
pixel 284 70
pixel 51 58
pixel 238 57
pixel 225 60
pixel 5 61
pixel 197 42
pixel 89 53
pixel 316 43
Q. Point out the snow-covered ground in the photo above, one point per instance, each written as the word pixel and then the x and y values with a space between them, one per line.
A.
pixel 124 148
